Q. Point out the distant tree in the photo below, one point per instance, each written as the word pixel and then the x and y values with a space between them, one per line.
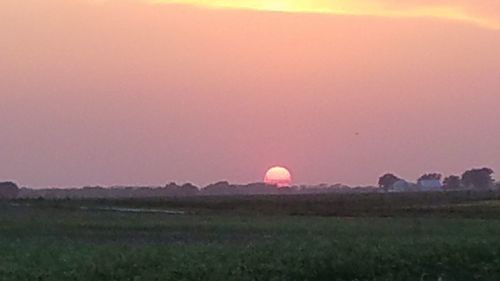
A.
pixel 387 181
pixel 8 190
pixel 430 176
pixel 219 185
pixel 478 178
pixel 452 182
pixel 171 185
pixel 188 189
pixel 220 188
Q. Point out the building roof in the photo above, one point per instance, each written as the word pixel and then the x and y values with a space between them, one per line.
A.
pixel 430 183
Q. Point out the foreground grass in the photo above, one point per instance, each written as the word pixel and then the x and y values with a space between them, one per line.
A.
pixel 44 243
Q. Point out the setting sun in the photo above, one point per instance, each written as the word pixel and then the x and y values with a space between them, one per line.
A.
pixel 278 176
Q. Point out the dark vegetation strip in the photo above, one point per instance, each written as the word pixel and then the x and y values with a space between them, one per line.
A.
pixel 451 203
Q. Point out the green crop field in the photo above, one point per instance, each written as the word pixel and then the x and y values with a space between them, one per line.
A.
pixel 253 238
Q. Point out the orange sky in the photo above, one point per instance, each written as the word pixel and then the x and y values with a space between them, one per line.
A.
pixel 130 92
pixel 473 12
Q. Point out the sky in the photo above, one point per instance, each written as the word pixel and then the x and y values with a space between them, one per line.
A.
pixel 142 92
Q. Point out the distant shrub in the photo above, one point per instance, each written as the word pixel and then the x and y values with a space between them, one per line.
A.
pixel 8 190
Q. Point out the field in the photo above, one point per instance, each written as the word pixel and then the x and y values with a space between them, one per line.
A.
pixel 450 236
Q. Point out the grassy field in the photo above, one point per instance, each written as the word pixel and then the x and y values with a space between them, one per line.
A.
pixel 253 238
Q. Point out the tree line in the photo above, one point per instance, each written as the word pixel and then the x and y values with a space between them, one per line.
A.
pixel 475 178
pixel 471 179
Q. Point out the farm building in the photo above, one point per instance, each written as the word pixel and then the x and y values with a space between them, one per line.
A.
pixel 430 184
pixel 400 186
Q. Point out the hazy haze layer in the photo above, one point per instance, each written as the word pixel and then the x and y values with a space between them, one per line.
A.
pixel 105 92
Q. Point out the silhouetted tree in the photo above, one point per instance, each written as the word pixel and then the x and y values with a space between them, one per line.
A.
pixel 478 178
pixel 452 182
pixel 171 186
pixel 219 188
pixel 387 181
pixel 431 176
pixel 8 190
pixel 188 189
